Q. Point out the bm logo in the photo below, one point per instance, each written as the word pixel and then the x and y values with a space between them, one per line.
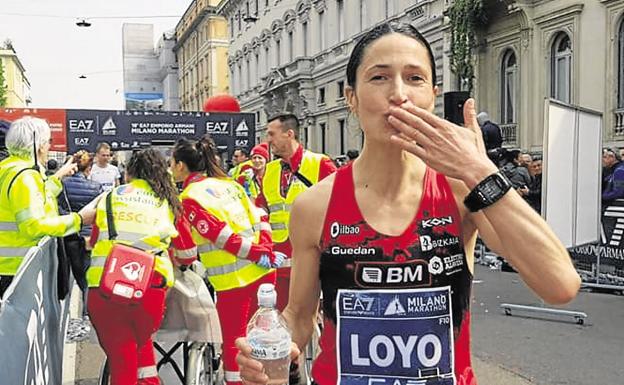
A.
pixel 389 274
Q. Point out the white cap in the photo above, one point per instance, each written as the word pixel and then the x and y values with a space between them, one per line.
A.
pixel 267 297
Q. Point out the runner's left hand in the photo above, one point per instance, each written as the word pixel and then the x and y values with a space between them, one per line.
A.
pixel 457 152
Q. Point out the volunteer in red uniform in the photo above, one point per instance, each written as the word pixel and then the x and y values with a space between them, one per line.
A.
pixel 232 237
pixel 143 214
pixel 391 236
pixel 284 179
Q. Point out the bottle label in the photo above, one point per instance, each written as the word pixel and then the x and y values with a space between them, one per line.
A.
pixel 270 352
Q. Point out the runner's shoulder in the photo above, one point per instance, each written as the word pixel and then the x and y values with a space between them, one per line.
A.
pixel 312 203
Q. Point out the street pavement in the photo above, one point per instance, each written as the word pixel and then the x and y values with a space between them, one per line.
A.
pixel 507 350
pixel 547 350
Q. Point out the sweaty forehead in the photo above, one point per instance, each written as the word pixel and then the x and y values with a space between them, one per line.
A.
pixel 395 50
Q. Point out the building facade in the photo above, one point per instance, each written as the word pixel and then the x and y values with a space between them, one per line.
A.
pixel 143 88
pixel 201 49
pixel 571 51
pixel 289 55
pixel 168 73
pixel 16 82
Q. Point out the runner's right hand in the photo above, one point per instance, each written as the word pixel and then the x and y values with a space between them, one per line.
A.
pixel 252 371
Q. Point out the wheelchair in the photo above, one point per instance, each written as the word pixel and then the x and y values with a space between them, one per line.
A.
pixel 201 360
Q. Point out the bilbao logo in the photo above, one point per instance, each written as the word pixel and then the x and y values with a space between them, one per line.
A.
pixel 336 229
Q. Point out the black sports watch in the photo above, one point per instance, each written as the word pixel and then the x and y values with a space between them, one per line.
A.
pixel 487 192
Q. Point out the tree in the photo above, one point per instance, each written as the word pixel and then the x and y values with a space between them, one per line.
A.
pixel 466 16
pixel 3 87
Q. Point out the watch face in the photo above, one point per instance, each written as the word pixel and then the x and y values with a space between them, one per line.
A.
pixel 491 189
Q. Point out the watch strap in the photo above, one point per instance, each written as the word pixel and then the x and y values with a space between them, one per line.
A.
pixel 487 192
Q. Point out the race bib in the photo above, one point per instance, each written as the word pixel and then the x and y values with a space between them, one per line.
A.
pixel 395 337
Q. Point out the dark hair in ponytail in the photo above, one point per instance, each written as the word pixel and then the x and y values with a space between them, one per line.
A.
pixel 149 165
pixel 199 156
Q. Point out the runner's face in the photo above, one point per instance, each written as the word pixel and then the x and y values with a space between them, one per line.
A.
pixel 258 162
pixel 395 69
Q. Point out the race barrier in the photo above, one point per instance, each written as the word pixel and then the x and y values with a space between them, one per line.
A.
pixel 602 264
pixel 33 321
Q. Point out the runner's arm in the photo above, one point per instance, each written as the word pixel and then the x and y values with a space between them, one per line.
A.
pixel 306 226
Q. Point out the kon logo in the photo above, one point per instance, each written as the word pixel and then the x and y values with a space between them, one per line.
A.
pixel 434 222
pixel 133 270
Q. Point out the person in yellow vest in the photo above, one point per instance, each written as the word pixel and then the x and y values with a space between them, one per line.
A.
pixel 242 165
pixel 143 214
pixel 232 236
pixel 252 180
pixel 284 179
pixel 28 205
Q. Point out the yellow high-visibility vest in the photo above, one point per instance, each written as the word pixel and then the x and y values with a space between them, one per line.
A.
pixel 279 207
pixel 28 211
pixel 226 200
pixel 142 220
pixel 238 169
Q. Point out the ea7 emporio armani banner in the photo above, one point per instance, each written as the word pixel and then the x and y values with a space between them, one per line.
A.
pixel 32 322
pixel 395 337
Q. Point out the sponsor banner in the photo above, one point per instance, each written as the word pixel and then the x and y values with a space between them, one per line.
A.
pixel 32 321
pixel 395 337
pixel 129 130
pixel 54 117
pixel 603 263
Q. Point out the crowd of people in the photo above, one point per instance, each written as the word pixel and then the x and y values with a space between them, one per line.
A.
pixel 416 195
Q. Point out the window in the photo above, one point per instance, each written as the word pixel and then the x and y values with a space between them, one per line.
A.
pixel 321 96
pixel 257 63
pixel 388 8
pixel 363 14
pixel 321 18
pixel 509 72
pixel 323 128
pixel 256 8
pixel 561 68
pixel 248 74
pixel 341 128
pixel 266 4
pixel 304 28
pixel 620 66
pixel 232 27
pixel 240 18
pixel 247 13
pixel 340 85
pixel 257 116
pixel 267 62
pixel 305 136
pixel 340 5
pixel 240 80
pixel 278 52
pixel 291 47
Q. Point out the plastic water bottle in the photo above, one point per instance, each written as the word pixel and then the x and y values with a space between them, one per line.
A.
pixel 269 337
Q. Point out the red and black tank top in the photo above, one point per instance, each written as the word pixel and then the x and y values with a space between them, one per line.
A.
pixel 386 299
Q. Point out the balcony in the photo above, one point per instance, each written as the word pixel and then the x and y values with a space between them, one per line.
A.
pixel 618 126
pixel 510 134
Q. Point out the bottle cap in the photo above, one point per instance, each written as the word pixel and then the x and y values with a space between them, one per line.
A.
pixel 267 297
